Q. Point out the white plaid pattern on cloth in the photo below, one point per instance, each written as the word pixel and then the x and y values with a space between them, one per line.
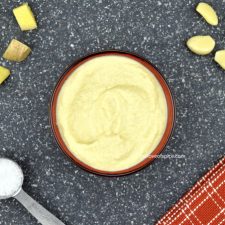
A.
pixel 204 204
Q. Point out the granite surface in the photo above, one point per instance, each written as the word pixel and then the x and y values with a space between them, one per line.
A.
pixel 70 29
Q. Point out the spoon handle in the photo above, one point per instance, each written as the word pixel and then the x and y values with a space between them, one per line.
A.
pixel 38 211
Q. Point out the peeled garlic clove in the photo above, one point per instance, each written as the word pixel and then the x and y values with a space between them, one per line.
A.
pixel 208 13
pixel 201 45
pixel 220 58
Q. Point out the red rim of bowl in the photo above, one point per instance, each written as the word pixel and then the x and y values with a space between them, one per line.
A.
pixel 170 107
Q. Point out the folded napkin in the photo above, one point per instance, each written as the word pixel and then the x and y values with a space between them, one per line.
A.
pixel 204 204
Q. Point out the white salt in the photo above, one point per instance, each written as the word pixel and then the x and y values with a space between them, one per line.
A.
pixel 11 178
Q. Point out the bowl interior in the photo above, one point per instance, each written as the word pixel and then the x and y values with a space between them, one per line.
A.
pixel 166 135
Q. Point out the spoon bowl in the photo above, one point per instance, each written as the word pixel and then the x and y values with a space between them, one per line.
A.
pixel 9 167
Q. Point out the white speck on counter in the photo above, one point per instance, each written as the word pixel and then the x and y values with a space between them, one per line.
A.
pixel 11 178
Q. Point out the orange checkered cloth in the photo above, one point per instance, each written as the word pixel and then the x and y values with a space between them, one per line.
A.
pixel 204 204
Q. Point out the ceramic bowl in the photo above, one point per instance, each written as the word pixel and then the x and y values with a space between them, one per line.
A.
pixel 170 106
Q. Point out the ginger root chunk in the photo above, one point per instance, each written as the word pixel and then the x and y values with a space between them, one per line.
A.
pixel 4 73
pixel 25 17
pixel 16 51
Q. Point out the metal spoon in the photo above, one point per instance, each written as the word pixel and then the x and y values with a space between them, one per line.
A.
pixel 38 211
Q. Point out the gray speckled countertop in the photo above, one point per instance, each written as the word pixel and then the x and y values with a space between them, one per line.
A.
pixel 70 29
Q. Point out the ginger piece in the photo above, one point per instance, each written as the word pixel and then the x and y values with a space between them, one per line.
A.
pixel 25 17
pixel 208 13
pixel 220 58
pixel 16 51
pixel 201 45
pixel 4 73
